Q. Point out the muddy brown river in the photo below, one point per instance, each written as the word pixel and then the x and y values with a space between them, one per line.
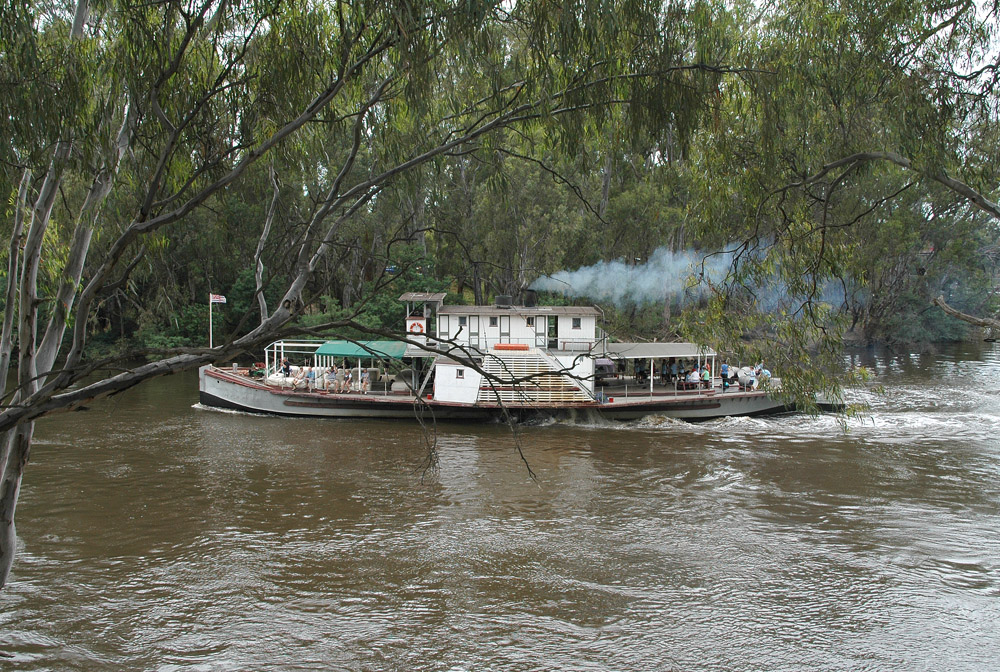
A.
pixel 158 535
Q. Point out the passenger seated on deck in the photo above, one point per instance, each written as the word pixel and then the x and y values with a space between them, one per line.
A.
pixel 331 378
pixel 300 378
pixel 693 376
pixel 310 378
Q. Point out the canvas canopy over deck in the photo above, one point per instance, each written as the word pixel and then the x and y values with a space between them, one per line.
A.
pixel 363 349
pixel 650 352
pixel 330 352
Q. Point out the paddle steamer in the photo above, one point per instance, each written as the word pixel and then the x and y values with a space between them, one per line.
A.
pixel 502 361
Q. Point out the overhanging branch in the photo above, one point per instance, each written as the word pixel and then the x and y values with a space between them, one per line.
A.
pixel 987 322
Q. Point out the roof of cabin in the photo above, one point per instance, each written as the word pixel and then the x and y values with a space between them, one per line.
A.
pixel 657 350
pixel 524 311
pixel 423 296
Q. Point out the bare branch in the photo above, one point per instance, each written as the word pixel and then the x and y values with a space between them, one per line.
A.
pixel 988 322
pixel 978 199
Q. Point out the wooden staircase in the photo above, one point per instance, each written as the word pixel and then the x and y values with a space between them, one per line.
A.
pixel 528 377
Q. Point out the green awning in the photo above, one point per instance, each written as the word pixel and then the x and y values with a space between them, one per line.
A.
pixel 363 349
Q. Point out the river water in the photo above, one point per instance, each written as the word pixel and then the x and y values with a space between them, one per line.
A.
pixel 158 535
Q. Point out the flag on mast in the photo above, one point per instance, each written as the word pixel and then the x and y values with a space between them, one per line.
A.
pixel 213 298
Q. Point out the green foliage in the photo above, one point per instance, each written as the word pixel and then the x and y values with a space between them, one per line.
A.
pixel 648 126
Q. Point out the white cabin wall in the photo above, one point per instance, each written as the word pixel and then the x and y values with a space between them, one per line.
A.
pixel 520 332
pixel 582 367
pixel 576 339
pixel 449 387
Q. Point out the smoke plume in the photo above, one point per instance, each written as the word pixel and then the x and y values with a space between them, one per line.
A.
pixel 665 275
pixel 669 276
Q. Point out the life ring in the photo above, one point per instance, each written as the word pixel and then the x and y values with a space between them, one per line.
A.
pixel 417 328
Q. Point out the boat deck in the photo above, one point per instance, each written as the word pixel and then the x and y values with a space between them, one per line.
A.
pixel 614 392
pixel 621 399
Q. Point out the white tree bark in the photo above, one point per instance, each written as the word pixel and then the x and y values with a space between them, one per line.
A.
pixel 258 261
pixel 13 273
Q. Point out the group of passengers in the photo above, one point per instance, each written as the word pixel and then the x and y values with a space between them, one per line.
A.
pixel 684 373
pixel 336 379
pixel 688 375
pixel 748 378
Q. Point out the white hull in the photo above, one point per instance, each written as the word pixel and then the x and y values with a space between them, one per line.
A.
pixel 226 389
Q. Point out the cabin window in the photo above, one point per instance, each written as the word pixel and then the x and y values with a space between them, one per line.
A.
pixel 460 373
pixel 462 320
pixel 576 322
pixel 493 321
pixel 529 321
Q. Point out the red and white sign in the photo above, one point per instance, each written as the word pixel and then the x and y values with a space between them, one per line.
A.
pixel 416 326
pixel 216 298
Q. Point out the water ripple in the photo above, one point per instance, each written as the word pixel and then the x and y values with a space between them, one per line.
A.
pixel 220 541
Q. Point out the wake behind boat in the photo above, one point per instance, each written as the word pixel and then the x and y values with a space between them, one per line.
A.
pixel 488 362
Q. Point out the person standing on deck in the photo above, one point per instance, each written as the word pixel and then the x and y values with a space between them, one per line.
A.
pixel 340 380
pixel 724 371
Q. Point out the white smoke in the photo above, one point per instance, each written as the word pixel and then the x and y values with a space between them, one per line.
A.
pixel 671 276
pixel 663 276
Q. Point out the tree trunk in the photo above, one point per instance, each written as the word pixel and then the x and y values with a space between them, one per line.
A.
pixel 13 267
pixel 18 445
pixel 259 264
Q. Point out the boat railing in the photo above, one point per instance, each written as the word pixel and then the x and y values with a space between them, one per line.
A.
pixel 304 351
pixel 643 392
pixel 379 383
pixel 558 345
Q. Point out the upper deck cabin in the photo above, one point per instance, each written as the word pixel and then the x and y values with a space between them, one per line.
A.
pixel 554 329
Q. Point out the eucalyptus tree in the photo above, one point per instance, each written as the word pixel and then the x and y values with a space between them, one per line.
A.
pixel 851 118
pixel 151 114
